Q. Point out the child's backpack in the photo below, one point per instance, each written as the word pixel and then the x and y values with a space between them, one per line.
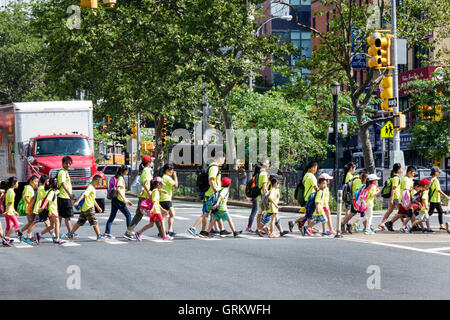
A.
pixel 299 194
pixel 203 181
pixel 386 191
pixel 265 201
pixel 2 203
pixel 347 192
pixel 406 199
pixel 80 205
pixel 112 188
pixel 416 201
pixel 359 202
pixel 251 189
pixel 43 215
pixel 310 204
pixel 21 208
pixel 146 207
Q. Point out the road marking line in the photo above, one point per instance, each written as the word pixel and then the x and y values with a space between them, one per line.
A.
pixel 71 244
pixel 255 237
pixel 112 241
pixel 23 245
pixel 181 218
pixel 439 249
pixel 397 246
pixel 153 239
pixel 239 216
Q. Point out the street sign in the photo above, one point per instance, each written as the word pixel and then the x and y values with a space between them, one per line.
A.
pixel 387 131
pixel 358 49
pixel 392 102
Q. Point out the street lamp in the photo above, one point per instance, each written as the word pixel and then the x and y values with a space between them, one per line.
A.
pixel 287 17
pixel 335 88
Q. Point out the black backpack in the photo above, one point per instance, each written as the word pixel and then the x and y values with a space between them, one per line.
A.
pixel 202 180
pixel 347 191
pixel 386 191
pixel 251 189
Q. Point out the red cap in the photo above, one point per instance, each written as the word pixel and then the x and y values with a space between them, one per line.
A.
pixel 424 182
pixel 226 182
pixel 146 159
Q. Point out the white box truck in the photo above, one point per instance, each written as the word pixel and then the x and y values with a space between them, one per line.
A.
pixel 35 136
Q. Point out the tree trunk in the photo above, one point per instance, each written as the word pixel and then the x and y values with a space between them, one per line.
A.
pixel 159 152
pixel 366 145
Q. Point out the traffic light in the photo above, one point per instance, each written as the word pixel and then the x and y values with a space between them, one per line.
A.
pixel 93 4
pixel 134 130
pixel 387 92
pixel 104 127
pixel 108 119
pixel 379 45
pixel 437 113
pixel 164 132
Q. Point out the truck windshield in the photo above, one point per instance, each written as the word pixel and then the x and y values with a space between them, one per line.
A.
pixel 62 146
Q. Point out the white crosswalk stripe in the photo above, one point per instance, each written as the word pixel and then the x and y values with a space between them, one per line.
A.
pixel 181 218
pixel 110 241
pixel 153 239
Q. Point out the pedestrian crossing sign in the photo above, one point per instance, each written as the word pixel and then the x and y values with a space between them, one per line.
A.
pixel 387 131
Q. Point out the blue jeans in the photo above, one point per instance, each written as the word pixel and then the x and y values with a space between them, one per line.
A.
pixel 117 205
pixel 253 213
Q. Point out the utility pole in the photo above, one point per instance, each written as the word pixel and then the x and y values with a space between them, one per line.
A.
pixel 397 154
pixel 138 135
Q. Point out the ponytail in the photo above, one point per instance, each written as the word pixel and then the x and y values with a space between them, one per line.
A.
pixel 395 168
pixel 347 168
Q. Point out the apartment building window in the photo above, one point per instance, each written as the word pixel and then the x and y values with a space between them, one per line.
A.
pixel 328 21
pixel 418 60
pixel 314 22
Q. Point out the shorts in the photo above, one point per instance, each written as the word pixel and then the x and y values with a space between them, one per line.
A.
pixel 402 210
pixel 348 206
pixel 156 217
pixel 166 205
pixel 34 217
pixel 30 217
pixel 423 216
pixel 325 209
pixel 320 219
pixel 411 212
pixel 396 202
pixel 88 215
pixel 65 208
pixel 221 215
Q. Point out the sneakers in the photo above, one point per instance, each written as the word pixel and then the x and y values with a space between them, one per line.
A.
pixel 69 236
pixel 6 243
pixel 37 237
pixel 249 230
pixel 259 233
pixel 237 233
pixel 19 235
pixel 447 227
pixel 326 233
pixel 224 233
pixel 368 231
pixel 429 231
pixel 381 227
pixel 27 240
pixel 171 234
pixel 307 231
pixel 285 232
pixel 192 231
pixel 332 232
pixel 204 234
pixel 100 237
pixel 108 236
pixel 303 230
pixel 58 241
pixel 403 230
pixel 355 227
pixel 349 228
pixel 215 231
pixel 129 237
pixel 291 225
pixel 167 237
pixel 343 229
pixel 389 225
pixel 138 236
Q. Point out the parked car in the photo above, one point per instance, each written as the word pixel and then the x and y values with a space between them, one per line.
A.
pixel 110 170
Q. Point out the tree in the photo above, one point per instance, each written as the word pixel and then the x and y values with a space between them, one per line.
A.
pixel 431 138
pixel 21 64
pixel 331 59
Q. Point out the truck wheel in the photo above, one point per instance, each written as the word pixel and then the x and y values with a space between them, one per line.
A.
pixel 101 203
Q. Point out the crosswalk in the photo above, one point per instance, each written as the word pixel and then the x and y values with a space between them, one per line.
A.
pixel 82 241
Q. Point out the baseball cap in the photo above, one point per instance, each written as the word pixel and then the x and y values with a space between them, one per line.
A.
pixel 424 182
pixel 372 177
pixel 146 159
pixel 435 169
pixel 225 181
pixel 325 176
pixel 159 179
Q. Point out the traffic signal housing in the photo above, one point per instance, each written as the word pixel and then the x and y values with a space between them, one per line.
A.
pixel 379 49
pixel 399 121
pixel 92 4
pixel 108 119
pixel 111 3
pixel 387 92
pixel 134 130
pixel 164 132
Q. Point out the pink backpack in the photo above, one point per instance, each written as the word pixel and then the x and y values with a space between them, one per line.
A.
pixel 2 204
pixel 147 207
pixel 406 199
pixel 360 203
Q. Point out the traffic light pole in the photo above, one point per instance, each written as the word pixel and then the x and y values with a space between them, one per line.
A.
pixel 138 135
pixel 397 154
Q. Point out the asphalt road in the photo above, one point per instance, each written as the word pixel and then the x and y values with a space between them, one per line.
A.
pixel 387 265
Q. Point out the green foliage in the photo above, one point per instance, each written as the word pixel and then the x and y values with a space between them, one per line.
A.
pixel 432 138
